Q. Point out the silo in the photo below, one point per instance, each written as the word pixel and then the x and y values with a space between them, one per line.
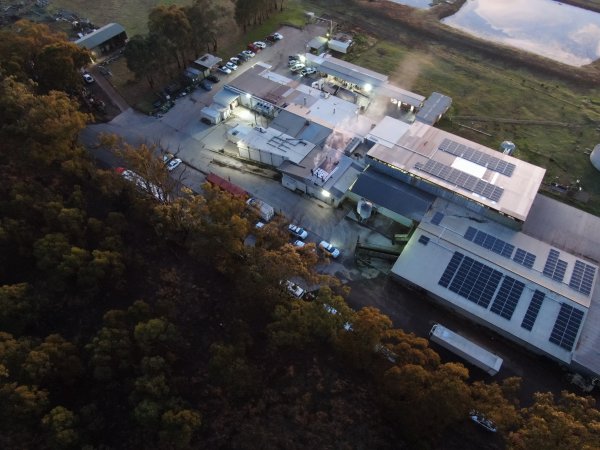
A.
pixel 595 157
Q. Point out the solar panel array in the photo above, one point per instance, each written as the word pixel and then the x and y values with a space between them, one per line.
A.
pixel 490 242
pixel 507 297
pixel 566 326
pixel 423 239
pixel 582 277
pixel 524 258
pixel 471 279
pixel 437 218
pixel 533 310
pixel 477 157
pixel 555 268
pixel 451 269
pixel 461 179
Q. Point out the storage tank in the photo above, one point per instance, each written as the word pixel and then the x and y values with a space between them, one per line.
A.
pixel 507 147
pixel 364 209
pixel 595 157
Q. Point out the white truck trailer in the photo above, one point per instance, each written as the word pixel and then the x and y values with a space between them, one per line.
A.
pixel 265 211
pixel 469 351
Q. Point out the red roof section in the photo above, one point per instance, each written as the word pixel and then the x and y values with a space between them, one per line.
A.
pixel 226 185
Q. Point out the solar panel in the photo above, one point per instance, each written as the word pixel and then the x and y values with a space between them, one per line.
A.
pixel 477 157
pixel 555 268
pixel 461 179
pixel 475 281
pixel 470 233
pixel 566 327
pixel 423 239
pixel 490 242
pixel 533 310
pixel 451 269
pixel 524 258
pixel 437 218
pixel 582 278
pixel 507 297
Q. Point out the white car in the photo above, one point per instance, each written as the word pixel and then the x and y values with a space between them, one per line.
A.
pixel 297 67
pixel 235 60
pixel 173 164
pixel 231 66
pixel 329 249
pixel 249 53
pixel 308 71
pixel 297 231
pixel 225 70
pixel 88 78
pixel 260 44
pixel 299 244
pixel 277 36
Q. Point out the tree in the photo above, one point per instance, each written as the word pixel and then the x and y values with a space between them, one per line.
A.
pixel 60 424
pixel 572 422
pixel 178 427
pixel 54 360
pixel 17 309
pixel 156 336
pixel 31 51
pixel 172 25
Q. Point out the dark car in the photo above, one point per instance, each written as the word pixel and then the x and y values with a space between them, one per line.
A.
pixel 205 85
pixel 254 48
pixel 213 78
pixel 270 38
pixel 243 56
pixel 206 121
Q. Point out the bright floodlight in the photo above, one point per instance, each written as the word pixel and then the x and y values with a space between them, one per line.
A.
pixel 368 87
pixel 248 96
pixel 325 193
pixel 302 59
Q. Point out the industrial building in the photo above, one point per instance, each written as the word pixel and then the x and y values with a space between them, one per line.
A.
pixel 486 244
pixel 104 40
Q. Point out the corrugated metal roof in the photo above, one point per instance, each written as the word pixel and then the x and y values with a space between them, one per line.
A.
pixel 436 105
pixel 392 194
pixel 100 36
pixel 225 97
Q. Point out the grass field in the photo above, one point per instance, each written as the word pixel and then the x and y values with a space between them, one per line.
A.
pixel 132 14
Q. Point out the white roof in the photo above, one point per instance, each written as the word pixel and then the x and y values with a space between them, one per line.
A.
pixel 273 141
pixel 388 131
pixel 420 152
pixel 424 266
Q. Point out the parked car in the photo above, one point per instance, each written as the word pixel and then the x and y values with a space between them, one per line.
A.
pixel 253 48
pixel 293 62
pixel 248 53
pixel 225 70
pixel 294 57
pixel 277 36
pixel 308 71
pixel 173 164
pixel 299 244
pixel 230 65
pixel 88 78
pixel 213 78
pixel 294 289
pixel 260 44
pixel 329 249
pixel 206 121
pixel 270 38
pixel 297 67
pixel 236 60
pixel 205 85
pixel 297 231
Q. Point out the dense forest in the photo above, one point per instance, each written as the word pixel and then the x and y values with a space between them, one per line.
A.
pixel 131 323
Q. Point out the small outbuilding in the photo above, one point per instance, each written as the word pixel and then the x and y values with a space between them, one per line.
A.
pixel 206 63
pixel 104 40
pixel 317 45
pixel 340 43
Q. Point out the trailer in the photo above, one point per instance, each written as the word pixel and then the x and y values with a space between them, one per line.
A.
pixel 469 351
pixel 265 211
